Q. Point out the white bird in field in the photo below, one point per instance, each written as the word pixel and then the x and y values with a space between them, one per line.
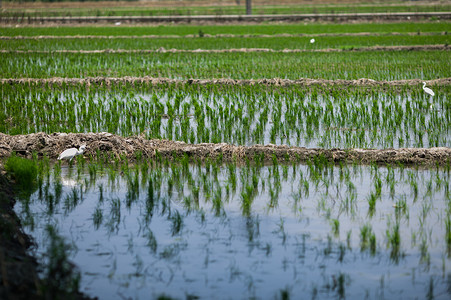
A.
pixel 312 41
pixel 71 153
pixel 427 90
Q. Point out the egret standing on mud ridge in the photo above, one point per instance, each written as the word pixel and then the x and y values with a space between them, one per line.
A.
pixel 71 153
pixel 427 90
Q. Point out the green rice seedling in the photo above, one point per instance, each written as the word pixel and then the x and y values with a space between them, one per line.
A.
pixel 365 236
pixel 72 200
pixel 247 196
pixel 57 171
pixel 132 189
pixel 150 199
pixel 115 214
pixel 335 227
pixel 217 202
pixel 92 168
pixel 281 230
pixel 274 198
pixel 372 198
pixel 373 244
pixel 400 206
pixel 23 171
pixel 58 190
pixel 252 228
pixel 177 222
pixel 151 241
pixel 97 217
pixel 394 241
pixel 425 257
pixel 100 187
pixel 378 186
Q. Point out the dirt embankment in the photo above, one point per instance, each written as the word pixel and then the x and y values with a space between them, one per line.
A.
pixel 189 3
pixel 53 144
pixel 107 81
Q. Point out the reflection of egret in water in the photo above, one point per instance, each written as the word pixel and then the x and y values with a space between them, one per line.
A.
pixel 68 182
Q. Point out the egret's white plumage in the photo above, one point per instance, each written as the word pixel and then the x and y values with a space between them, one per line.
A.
pixel 69 154
pixel 312 41
pixel 427 90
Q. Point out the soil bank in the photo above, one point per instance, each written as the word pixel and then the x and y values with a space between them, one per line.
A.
pixel 117 147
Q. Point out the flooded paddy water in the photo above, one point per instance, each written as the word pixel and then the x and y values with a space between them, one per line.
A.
pixel 228 231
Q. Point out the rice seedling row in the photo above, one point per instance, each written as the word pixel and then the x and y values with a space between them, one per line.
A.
pixel 316 229
pixel 374 65
pixel 241 115
pixel 279 43
pixel 250 29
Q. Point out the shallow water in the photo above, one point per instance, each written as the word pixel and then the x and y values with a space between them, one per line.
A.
pixel 158 241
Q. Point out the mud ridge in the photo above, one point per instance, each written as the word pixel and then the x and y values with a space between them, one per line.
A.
pixel 108 81
pixel 117 147
pixel 239 50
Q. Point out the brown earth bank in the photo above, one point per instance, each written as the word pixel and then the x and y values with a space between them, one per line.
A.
pixel 241 50
pixel 189 3
pixel 117 147
pixel 108 81
pixel 18 268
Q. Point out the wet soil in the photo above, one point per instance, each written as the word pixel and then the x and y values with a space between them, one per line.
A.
pixel 117 147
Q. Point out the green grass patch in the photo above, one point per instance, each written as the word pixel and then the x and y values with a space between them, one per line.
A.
pixel 24 171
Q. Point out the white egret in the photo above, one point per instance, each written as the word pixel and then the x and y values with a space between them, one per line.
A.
pixel 71 153
pixel 312 41
pixel 428 90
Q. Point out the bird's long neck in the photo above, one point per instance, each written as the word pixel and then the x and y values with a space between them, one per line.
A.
pixel 79 151
pixel 424 85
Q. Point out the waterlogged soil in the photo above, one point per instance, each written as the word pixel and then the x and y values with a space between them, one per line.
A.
pixel 115 147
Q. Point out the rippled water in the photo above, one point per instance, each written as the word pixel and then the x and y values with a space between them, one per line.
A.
pixel 303 235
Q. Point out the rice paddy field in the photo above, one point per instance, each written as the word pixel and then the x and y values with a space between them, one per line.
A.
pixel 183 228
